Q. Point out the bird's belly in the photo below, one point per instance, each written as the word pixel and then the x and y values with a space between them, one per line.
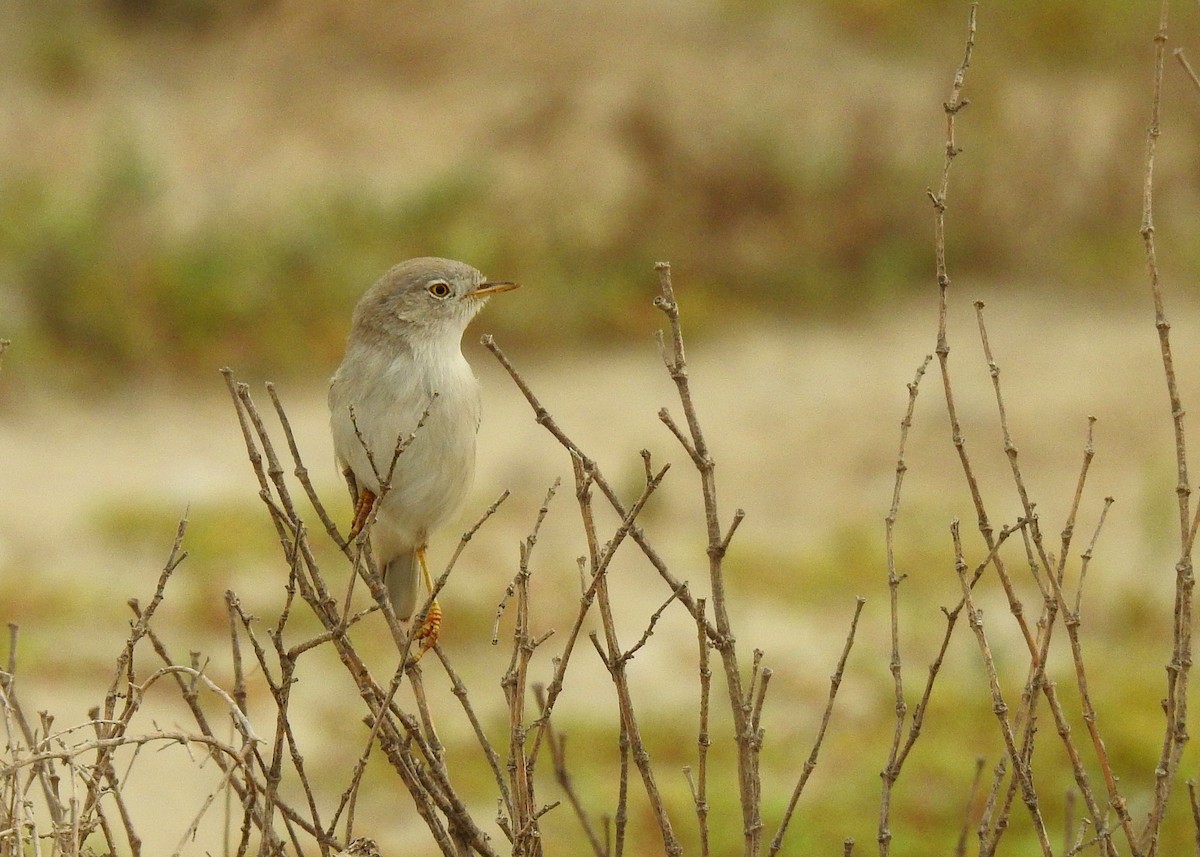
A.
pixel 432 478
pixel 433 474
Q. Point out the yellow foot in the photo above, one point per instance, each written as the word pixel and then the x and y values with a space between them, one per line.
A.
pixel 429 631
pixel 362 511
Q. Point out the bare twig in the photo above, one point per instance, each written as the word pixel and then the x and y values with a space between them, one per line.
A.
pixel 675 360
pixel 558 756
pixel 999 708
pixel 891 769
pixel 1187 67
pixel 545 419
pixel 124 671
pixel 960 847
pixel 585 602
pixel 835 681
pixel 301 472
pixel 1175 733
pixel 703 742
pixel 649 632
pixel 616 664
pixel 1055 602
pixel 524 815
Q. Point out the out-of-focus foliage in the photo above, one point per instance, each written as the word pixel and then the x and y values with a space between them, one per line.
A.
pixel 195 184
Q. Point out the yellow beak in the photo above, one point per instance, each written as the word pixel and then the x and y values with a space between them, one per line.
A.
pixel 484 290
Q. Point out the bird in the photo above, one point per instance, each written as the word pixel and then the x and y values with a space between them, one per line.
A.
pixel 404 363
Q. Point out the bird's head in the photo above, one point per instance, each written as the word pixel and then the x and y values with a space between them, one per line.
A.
pixel 425 298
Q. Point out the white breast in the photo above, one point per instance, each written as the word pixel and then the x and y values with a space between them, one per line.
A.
pixel 433 474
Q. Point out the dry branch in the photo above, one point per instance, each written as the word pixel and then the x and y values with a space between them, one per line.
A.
pixel 1178 668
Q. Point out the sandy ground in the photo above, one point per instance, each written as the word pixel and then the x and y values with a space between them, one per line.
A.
pixel 802 420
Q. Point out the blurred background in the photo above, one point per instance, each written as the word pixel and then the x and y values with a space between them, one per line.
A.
pixel 179 171
pixel 190 184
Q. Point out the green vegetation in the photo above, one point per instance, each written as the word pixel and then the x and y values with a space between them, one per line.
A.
pixel 231 545
pixel 124 256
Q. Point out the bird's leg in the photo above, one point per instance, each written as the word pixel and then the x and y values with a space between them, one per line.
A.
pixel 432 626
pixel 362 511
pixel 351 483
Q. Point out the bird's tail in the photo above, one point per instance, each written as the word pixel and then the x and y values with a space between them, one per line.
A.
pixel 401 577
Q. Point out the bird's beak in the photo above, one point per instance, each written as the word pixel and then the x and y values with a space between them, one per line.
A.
pixel 484 290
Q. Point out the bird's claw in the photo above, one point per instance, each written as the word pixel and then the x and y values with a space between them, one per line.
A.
pixel 362 511
pixel 429 631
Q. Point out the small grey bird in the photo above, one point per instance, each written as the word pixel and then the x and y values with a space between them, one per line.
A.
pixel 404 355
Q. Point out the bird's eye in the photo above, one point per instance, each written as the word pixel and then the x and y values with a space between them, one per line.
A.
pixel 439 289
